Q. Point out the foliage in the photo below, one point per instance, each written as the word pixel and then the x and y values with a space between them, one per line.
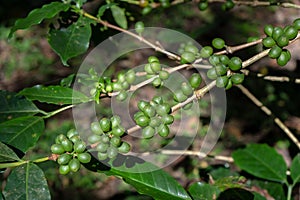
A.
pixel 105 149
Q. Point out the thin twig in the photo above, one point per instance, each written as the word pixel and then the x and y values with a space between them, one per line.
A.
pixel 266 110
pixel 273 78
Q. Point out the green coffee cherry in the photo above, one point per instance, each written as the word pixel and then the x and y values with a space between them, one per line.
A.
pixel 179 96
pixel 218 43
pixel 224 59
pixel 112 152
pixel 67 145
pixel 153 59
pixel 214 60
pixel 142 121
pixel 237 78
pixel 186 89
pixel 164 75
pixel 59 138
pixel 277 32
pixel 118 131
pixel 228 5
pixel 191 48
pixel 130 76
pixel 64 169
pixel 139 27
pixel 94 139
pixel 163 109
pixel 105 124
pixel 149 111
pixel 155 122
pixel 104 139
pixel 79 147
pixel 195 80
pixel 115 141
pixel 221 69
pixel 282 41
pixel 141 104
pixel 206 51
pixel 203 5
pixel 268 42
pixel 212 74
pixel 157 99
pixel 57 149
pixel 268 30
pixel 222 81
pixel 75 138
pixel 229 84
pixel 283 59
pixel 64 159
pixel 124 148
pixel 291 32
pixel 167 119
pixel 275 52
pixel 155 66
pixel 117 86
pixel 74 165
pixel 187 57
pixel 296 24
pixel 84 157
pixel 163 130
pixel 125 85
pixel 96 129
pixel 148 69
pixel 122 95
pixel 148 132
pixel 71 133
pixel 235 63
pixel 115 121
pixel 157 82
pixel 102 147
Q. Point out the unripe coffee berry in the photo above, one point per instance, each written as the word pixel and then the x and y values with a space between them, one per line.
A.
pixel 218 43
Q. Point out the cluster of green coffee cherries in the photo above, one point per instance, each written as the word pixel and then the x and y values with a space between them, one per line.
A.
pixel 277 38
pixel 71 152
pixel 227 5
pixel 145 4
pixel 106 138
pixel 154 117
pixel 154 68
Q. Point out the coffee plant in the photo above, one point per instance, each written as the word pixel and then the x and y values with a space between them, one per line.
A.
pixel 108 144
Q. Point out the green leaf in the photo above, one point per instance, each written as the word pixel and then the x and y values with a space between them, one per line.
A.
pixel 103 8
pixel 12 106
pixel 274 189
pixel 262 161
pixel 72 41
pixel 144 176
pixel 258 196
pixel 27 182
pixel 119 16
pixel 38 15
pixel 22 132
pixel 54 94
pixel 295 169
pixel 67 82
pixel 7 154
pixel 203 191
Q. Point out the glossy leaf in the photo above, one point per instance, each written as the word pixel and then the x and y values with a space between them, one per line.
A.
pixel 274 189
pixel 71 41
pixel 119 16
pixel 38 15
pixel 202 191
pixel 103 8
pixel 22 132
pixel 7 154
pixel 27 182
pixel 54 94
pixel 12 106
pixel 295 169
pixel 147 178
pixel 262 161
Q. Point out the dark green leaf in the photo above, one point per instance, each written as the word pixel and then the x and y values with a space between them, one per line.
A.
pixel 72 41
pixel 119 16
pixel 12 106
pixel 22 132
pixel 274 189
pixel 7 154
pixel 203 191
pixel 27 182
pixel 258 196
pixel 38 15
pixel 147 178
pixel 262 161
pixel 236 194
pixel 103 8
pixel 222 172
pixel 295 169
pixel 54 94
